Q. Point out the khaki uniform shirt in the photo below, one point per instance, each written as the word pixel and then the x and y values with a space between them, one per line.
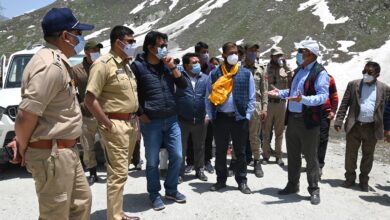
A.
pixel 48 91
pixel 81 74
pixel 113 84
pixel 280 77
pixel 261 85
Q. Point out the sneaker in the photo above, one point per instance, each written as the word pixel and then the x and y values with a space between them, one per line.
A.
pixel 209 168
pixel 158 204
pixel 188 169
pixel 279 161
pixel 139 165
pixel 177 197
pixel 92 179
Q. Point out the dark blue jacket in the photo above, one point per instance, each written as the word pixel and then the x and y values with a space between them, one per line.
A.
pixel 190 103
pixel 155 88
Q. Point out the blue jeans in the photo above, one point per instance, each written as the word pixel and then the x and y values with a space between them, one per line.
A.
pixel 162 131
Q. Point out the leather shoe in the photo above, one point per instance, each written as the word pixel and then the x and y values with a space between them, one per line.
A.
pixel 315 199
pixel 217 186
pixel 92 179
pixel 258 170
pixel 289 189
pixel 364 187
pixel 127 217
pixel 243 187
pixel 348 183
pixel 200 175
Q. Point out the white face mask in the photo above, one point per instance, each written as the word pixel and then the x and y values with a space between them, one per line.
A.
pixel 368 78
pixel 232 59
pixel 94 56
pixel 129 49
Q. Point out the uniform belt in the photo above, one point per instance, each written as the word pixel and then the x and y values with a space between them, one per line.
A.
pixel 227 114
pixel 120 116
pixel 365 123
pixel 47 144
pixel 276 100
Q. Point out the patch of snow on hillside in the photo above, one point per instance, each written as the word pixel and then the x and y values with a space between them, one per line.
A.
pixel 95 34
pixel 276 40
pixel 154 2
pixel 352 69
pixel 31 26
pixel 321 9
pixel 176 28
pixel 239 42
pixel 271 9
pixel 345 44
pixel 174 3
pixel 9 37
pixel 138 8
pixel 200 22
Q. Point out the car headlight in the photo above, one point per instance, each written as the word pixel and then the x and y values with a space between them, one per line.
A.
pixel 1 112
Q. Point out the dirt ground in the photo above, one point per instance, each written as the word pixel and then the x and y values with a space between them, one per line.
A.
pixel 18 199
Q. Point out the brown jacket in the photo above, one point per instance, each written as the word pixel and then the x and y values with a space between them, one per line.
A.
pixel 351 101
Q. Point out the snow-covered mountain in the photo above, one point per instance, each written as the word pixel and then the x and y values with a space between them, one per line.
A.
pixel 350 32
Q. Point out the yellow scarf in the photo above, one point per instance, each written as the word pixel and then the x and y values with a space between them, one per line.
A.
pixel 223 86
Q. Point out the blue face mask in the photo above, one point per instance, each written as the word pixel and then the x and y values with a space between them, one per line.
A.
pixel 251 56
pixel 299 58
pixel 196 68
pixel 162 52
pixel 80 45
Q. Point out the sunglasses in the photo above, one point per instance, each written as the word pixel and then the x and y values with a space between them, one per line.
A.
pixel 164 45
pixel 302 50
pixel 130 41
pixel 369 73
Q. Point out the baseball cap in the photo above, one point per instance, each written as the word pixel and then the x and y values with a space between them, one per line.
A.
pixel 276 51
pixel 311 45
pixel 93 44
pixel 60 19
pixel 251 45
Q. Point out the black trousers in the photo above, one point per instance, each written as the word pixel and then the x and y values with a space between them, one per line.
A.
pixel 300 139
pixel 208 147
pixel 225 127
pixel 324 136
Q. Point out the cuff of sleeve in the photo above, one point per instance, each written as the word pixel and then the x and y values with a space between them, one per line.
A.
pixel 248 116
pixel 304 100
pixel 94 92
pixel 32 106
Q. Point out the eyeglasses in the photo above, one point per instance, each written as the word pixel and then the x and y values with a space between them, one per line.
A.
pixel 367 72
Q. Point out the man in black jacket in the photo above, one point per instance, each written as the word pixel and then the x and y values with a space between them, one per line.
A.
pixel 156 76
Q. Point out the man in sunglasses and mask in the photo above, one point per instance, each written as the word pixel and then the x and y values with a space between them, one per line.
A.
pixel 48 121
pixel 364 100
pixel 89 128
pixel 112 99
pixel 157 76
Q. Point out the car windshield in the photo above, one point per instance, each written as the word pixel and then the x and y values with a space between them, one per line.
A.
pixel 15 70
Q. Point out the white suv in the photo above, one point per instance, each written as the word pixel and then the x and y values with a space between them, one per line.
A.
pixel 10 96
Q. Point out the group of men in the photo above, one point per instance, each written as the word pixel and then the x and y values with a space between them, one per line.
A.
pixel 121 93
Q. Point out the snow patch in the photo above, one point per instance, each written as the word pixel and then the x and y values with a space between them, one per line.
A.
pixel 138 8
pixel 174 3
pixel 321 9
pixel 271 9
pixel 200 22
pixel 154 2
pixel 95 34
pixel 276 40
pixel 344 45
pixel 31 26
pixel 9 37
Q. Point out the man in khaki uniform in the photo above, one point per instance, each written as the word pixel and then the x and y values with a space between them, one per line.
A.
pixel 89 128
pixel 49 121
pixel 279 76
pixel 112 98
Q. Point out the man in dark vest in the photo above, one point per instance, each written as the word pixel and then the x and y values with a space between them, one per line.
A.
pixel 230 102
pixel 306 94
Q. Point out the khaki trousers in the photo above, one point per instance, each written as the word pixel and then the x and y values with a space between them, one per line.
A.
pixel 87 140
pixel 254 133
pixel 275 118
pixel 363 135
pixel 62 189
pixel 118 145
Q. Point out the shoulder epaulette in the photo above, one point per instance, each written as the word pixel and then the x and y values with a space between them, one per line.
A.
pixel 57 59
